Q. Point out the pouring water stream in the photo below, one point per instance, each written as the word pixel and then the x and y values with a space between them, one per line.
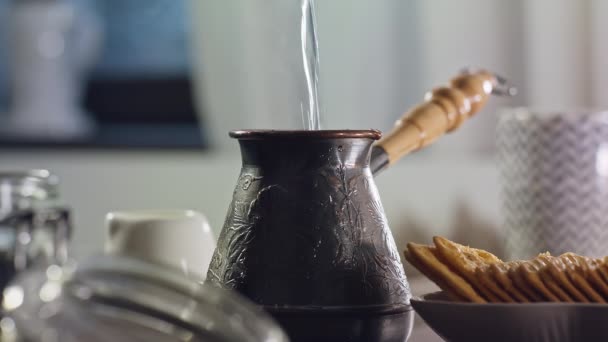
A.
pixel 310 59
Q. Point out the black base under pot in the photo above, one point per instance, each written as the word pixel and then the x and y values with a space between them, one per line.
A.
pixel 369 324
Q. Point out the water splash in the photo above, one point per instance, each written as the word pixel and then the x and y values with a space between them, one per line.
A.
pixel 310 59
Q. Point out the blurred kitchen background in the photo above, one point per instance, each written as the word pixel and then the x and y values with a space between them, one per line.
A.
pixel 129 102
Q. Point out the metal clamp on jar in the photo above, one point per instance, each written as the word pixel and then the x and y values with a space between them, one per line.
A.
pixel 34 225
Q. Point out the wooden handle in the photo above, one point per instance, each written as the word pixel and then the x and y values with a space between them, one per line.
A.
pixel 444 110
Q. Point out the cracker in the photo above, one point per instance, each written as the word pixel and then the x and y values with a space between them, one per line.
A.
pixel 530 272
pixel 428 257
pixel 521 284
pixel 549 282
pixel 465 253
pixel 603 268
pixel 466 261
pixel 592 269
pixel 558 271
pixel 500 273
pixel 556 289
pixel 486 279
pixel 578 276
pixel 448 290
pixel 484 290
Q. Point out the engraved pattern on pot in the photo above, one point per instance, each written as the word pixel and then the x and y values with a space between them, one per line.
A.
pixel 362 245
pixel 311 232
pixel 228 270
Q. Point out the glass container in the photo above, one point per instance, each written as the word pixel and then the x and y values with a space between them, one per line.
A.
pixel 34 223
pixel 109 298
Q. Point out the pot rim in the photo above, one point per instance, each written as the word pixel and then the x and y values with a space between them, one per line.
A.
pixel 258 134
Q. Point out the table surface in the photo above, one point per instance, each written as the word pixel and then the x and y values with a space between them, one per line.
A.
pixel 422 332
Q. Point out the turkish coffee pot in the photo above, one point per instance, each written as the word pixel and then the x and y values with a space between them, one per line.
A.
pixel 34 223
pixel 306 236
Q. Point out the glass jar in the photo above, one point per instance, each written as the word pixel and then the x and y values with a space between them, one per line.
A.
pixel 25 190
pixel 34 223
pixel 109 298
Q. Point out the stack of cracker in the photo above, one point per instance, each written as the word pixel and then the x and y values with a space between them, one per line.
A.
pixel 473 275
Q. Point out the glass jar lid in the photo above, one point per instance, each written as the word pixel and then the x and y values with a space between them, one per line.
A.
pixel 111 297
